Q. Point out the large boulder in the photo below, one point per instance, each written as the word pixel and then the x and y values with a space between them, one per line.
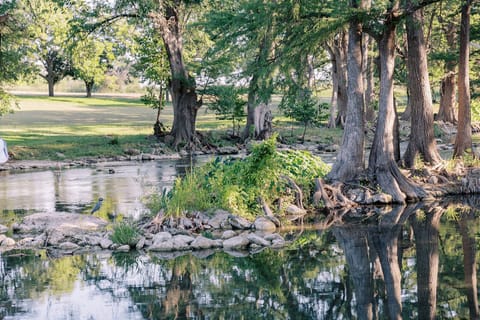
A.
pixel 236 243
pixel 219 219
pixel 264 224
pixel 62 222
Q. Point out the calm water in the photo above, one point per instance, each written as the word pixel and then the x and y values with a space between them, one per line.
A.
pixel 417 262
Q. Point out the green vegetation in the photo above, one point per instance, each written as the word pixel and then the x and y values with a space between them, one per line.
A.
pixel 235 185
pixel 125 232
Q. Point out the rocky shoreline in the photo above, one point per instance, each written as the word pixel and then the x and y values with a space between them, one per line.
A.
pixel 69 233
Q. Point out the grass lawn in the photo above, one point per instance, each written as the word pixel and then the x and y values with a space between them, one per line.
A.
pixel 68 126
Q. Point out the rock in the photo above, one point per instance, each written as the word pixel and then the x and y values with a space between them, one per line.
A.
pixel 105 243
pixel 161 237
pixel 218 218
pixel 255 239
pixel 92 240
pixel 235 243
pixel 278 243
pixel 55 237
pixel 381 198
pixel 182 242
pixel 140 244
pixel 227 234
pixel 123 248
pixel 3 229
pixel 202 242
pixel 79 223
pixel 162 246
pixel 239 223
pixel 295 211
pixel 70 246
pixel 227 150
pixel 332 148
pixel 132 152
pixel 273 236
pixel 237 254
pixel 7 242
pixel 264 224
pixel 2 237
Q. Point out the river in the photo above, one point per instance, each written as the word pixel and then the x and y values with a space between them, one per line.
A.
pixel 415 262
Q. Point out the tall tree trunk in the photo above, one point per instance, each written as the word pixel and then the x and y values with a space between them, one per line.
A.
pixel 422 139
pixel 340 50
pixel 51 87
pixel 182 86
pixel 446 111
pixel 369 79
pixel 470 262
pixel 382 163
pixel 463 141
pixel 351 159
pixel 426 239
pixel 334 98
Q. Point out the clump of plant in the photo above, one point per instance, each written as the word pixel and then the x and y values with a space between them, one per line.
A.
pixel 125 232
pixel 236 185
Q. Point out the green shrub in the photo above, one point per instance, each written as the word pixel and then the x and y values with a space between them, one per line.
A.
pixel 235 185
pixel 125 233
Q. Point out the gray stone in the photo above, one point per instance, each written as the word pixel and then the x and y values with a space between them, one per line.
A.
pixel 332 148
pixel 264 224
pixel 294 210
pixel 235 243
pixel 182 242
pixel 105 243
pixel 3 229
pixel 239 223
pixel 227 150
pixel 278 243
pixel 227 234
pixel 202 242
pixel 80 223
pixel 237 254
pixel 68 246
pixel 382 198
pixel 55 237
pixel 273 236
pixel 140 244
pixel 8 242
pixel 123 248
pixel 162 246
pixel 218 218
pixel 258 240
pixel 2 237
pixel 161 237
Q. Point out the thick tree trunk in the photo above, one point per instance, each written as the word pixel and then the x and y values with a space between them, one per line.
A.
pixel 382 163
pixel 446 111
pixel 422 139
pixel 51 87
pixel 334 98
pixel 350 160
pixel 463 141
pixel 338 56
pixel 182 86
pixel 470 262
pixel 369 79
pixel 426 239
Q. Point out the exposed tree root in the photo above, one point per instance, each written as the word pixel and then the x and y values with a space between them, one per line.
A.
pixel 296 189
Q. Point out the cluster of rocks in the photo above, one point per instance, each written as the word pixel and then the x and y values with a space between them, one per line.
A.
pixel 70 233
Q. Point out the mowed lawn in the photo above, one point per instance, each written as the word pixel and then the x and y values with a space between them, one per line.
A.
pixel 70 127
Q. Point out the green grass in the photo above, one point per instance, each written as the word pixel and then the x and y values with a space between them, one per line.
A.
pixel 72 127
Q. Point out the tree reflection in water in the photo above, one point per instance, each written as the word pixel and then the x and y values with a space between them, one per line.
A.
pixel 417 261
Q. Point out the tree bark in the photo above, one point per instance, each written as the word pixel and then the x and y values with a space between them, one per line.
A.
pixel 369 79
pixel 88 88
pixel 182 86
pixel 350 160
pixel 340 50
pixel 422 139
pixel 446 111
pixel 463 140
pixel 382 163
pixel 426 232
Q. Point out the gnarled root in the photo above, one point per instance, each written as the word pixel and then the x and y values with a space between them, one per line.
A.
pixel 331 195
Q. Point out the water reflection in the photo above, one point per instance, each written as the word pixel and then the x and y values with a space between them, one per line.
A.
pixel 75 190
pixel 413 262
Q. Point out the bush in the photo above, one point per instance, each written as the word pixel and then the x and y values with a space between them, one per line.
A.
pixel 125 233
pixel 235 185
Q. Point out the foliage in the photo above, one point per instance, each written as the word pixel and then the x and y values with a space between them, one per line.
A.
pixel 7 102
pixel 228 104
pixel 125 232
pixel 304 108
pixel 235 185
